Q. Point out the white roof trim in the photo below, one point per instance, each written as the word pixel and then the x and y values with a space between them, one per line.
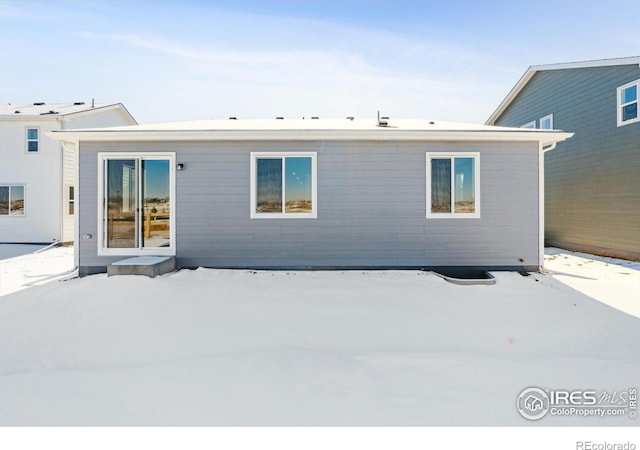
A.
pixel 62 111
pixel 531 71
pixel 103 108
pixel 309 130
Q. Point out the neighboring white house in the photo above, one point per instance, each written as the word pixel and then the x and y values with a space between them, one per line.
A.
pixel 37 174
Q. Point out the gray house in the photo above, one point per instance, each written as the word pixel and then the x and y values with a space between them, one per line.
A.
pixel 592 180
pixel 311 194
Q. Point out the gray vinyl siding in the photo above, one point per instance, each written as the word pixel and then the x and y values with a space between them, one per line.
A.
pixel 371 208
pixel 591 180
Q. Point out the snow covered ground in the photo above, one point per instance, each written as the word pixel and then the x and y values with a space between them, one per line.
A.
pixel 222 347
pixel 21 268
pixel 615 282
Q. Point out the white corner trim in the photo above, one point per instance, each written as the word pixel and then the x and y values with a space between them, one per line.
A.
pixel 541 200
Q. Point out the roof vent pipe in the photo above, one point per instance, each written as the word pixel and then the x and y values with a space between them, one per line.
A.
pixel 382 121
pixel 78 103
pixel 279 118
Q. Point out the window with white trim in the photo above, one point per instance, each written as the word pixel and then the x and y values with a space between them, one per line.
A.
pixel 453 185
pixel 628 103
pixel 546 122
pixel 33 140
pixel 71 200
pixel 283 185
pixel 12 200
pixel 531 124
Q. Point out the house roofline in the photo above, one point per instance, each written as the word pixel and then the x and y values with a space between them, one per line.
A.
pixel 67 115
pixel 544 137
pixel 103 108
pixel 532 70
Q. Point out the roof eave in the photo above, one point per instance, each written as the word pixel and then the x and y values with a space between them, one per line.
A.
pixel 31 117
pixel 544 137
pixel 513 93
pixel 103 108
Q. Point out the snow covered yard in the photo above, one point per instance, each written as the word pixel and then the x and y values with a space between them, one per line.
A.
pixel 220 347
pixel 21 268
pixel 615 282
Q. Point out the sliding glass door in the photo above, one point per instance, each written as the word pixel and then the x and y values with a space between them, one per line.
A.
pixel 137 199
pixel 120 214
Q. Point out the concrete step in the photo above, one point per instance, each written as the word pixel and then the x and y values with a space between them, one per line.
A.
pixel 150 266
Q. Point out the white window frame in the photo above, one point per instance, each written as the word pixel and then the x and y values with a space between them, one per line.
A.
pixel 24 189
pixel 531 125
pixel 27 140
pixel 476 175
pixel 548 117
pixel 68 201
pixel 139 251
pixel 284 215
pixel 620 105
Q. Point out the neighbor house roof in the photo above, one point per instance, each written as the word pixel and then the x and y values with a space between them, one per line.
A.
pixel 44 110
pixel 531 71
pixel 311 129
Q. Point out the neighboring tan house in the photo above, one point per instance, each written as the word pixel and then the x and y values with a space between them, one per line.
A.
pixel 592 180
pixel 312 194
pixel 37 174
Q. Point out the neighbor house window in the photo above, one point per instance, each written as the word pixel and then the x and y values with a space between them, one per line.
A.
pixel 546 122
pixel 136 198
pixel 531 124
pixel 33 144
pixel 453 185
pixel 11 200
pixel 628 103
pixel 283 185
pixel 71 200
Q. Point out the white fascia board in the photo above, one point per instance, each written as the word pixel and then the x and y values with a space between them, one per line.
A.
pixel 518 135
pixel 100 109
pixel 31 118
pixel 515 90
pixel 66 117
pixel 589 64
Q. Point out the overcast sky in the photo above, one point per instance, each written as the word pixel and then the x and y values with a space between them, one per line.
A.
pixel 183 60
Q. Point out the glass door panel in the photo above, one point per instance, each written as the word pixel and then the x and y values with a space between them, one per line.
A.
pixel 120 204
pixel 155 214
